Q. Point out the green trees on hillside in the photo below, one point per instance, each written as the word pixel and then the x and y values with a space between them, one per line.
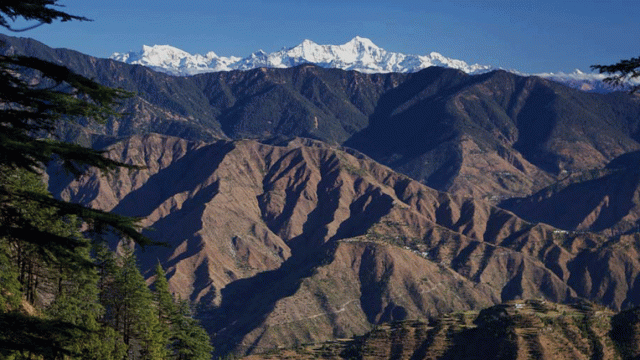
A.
pixel 149 322
pixel 56 299
pixel 186 338
pixel 79 306
pixel 41 274
pixel 189 341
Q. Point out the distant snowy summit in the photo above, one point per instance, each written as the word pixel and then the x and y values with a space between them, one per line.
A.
pixel 359 54
pixel 168 59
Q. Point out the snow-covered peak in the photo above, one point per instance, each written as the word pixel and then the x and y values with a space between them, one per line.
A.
pixel 163 54
pixel 169 59
pixel 359 54
pixel 360 43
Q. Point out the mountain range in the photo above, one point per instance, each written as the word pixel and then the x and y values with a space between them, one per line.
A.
pixel 495 135
pixel 300 242
pixel 308 204
pixel 358 54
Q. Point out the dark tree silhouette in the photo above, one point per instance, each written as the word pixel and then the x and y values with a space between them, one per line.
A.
pixel 621 72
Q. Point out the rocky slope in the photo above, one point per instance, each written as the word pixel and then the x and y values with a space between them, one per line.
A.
pixel 604 200
pixel 294 242
pixel 493 136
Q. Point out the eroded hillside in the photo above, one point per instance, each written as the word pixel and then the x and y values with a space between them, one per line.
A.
pixel 603 200
pixel 296 242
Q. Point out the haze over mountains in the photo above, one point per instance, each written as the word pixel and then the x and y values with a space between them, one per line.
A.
pixel 304 204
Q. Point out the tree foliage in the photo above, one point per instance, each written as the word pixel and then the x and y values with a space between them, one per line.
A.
pixel 165 308
pixel 186 339
pixel 49 296
pixel 133 313
pixel 150 323
pixel 189 340
pixel 61 297
pixel 621 72
pixel 34 96
pixel 56 279
pixel 42 11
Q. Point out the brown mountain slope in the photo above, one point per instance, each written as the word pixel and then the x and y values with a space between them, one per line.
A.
pixel 493 136
pixel 606 200
pixel 303 242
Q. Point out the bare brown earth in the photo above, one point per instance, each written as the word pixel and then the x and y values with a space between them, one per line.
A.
pixel 603 200
pixel 305 242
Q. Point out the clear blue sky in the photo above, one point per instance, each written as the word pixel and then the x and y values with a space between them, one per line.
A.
pixel 530 36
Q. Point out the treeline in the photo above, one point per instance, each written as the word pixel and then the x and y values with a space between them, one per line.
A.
pixel 66 297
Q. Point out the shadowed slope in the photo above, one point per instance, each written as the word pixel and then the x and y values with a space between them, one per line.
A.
pixel 304 242
pixel 605 200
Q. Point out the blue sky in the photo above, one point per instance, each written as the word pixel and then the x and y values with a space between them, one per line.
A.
pixel 530 36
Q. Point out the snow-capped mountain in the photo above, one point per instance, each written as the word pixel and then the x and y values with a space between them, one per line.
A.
pixel 358 54
pixel 174 61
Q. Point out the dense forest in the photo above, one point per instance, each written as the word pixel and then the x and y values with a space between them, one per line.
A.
pixel 63 293
pixel 85 302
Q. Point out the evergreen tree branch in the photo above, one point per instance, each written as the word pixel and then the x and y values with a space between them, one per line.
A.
pixel 621 72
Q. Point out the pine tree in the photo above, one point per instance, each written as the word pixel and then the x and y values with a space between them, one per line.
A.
pixel 185 337
pixel 38 239
pixel 621 72
pixel 166 309
pixel 77 302
pixel 132 312
pixel 113 343
pixel 190 340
